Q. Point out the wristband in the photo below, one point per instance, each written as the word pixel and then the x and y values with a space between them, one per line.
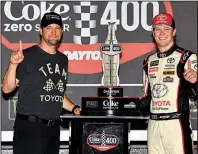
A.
pixel 76 106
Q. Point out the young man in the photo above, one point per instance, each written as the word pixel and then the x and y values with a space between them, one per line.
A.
pixel 170 78
pixel 41 73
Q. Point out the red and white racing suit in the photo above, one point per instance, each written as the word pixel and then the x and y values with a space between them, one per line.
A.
pixel 167 93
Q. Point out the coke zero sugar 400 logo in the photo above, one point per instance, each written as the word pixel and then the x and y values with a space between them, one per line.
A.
pixel 102 142
pixel 85 28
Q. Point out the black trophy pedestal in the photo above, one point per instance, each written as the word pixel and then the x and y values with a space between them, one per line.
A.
pixel 104 123
pixel 99 134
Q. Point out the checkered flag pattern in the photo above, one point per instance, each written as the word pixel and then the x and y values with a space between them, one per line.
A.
pixel 85 23
pixel 49 85
pixel 103 138
pixel 59 86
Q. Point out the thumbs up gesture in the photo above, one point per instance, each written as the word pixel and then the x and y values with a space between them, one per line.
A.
pixel 17 56
pixel 190 75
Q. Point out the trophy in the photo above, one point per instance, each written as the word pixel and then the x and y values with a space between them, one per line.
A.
pixel 110 58
pixel 110 100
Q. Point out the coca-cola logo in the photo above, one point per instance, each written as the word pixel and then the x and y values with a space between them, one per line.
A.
pixel 33 12
pixel 109 103
pixel 102 142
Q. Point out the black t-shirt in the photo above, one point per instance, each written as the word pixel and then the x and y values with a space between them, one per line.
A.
pixel 42 82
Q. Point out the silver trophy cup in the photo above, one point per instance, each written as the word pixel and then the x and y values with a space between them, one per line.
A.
pixel 110 51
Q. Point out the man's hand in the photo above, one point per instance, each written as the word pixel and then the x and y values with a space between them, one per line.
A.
pixel 77 111
pixel 17 56
pixel 190 75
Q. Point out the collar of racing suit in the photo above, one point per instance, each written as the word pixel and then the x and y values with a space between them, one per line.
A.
pixel 167 53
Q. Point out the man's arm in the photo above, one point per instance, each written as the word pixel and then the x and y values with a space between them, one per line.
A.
pixel 9 81
pixel 69 106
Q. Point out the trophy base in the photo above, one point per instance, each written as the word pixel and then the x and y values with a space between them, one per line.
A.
pixel 110 102
pixel 109 106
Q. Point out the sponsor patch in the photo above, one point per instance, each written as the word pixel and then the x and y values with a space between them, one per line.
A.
pixel 153 69
pixel 168 79
pixel 169 73
pixel 154 63
pixel 152 76
pixel 170 66
pixel 170 60
pixel 161 105
pixel 130 105
pixel 159 90
pixel 92 104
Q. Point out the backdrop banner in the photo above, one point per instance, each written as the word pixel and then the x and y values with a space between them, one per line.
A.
pixel 85 30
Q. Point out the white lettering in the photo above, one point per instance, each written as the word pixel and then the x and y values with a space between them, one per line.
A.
pixel 63 7
pixel 144 13
pixel 57 70
pixel 49 68
pixel 65 27
pixel 27 27
pixel 42 97
pixel 110 14
pixel 64 73
pixel 19 27
pixel 7 11
pixel 47 98
pixel 6 29
pixel 83 55
pixel 36 11
pixel 94 139
pixel 135 16
pixel 52 98
pixel 41 69
pixel 109 103
pixel 37 27
pixel 95 56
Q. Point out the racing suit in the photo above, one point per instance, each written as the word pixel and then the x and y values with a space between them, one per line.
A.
pixel 167 93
